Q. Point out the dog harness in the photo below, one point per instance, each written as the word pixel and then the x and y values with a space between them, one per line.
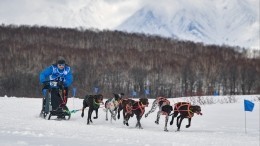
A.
pixel 190 113
pixel 96 104
pixel 140 106
pixel 165 102
pixel 163 99
pixel 128 109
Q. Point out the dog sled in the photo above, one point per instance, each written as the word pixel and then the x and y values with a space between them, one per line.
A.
pixel 54 101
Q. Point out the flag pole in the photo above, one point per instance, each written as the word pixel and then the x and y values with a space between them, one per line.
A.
pixel 73 102
pixel 248 106
pixel 74 94
pixel 245 121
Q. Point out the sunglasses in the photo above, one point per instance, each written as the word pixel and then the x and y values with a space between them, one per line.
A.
pixel 61 65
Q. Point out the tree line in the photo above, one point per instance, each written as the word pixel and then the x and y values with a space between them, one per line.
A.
pixel 116 61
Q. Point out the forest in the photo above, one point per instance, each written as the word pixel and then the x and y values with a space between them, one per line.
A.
pixel 120 62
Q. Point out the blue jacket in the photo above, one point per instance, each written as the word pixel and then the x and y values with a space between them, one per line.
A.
pixel 53 72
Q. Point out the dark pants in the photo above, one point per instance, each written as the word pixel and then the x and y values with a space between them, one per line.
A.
pixel 58 97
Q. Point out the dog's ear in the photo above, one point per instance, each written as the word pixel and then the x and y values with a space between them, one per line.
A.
pixel 147 101
pixel 100 95
pixel 116 95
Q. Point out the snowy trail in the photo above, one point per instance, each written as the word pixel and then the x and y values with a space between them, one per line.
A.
pixel 220 124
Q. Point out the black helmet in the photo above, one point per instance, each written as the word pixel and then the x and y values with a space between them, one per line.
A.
pixel 61 61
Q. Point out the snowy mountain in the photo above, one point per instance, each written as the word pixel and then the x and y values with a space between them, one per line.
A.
pixel 232 22
pixel 100 14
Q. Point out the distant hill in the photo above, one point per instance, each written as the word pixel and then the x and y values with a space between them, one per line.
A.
pixel 117 61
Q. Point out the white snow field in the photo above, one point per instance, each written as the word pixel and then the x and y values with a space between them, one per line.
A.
pixel 220 125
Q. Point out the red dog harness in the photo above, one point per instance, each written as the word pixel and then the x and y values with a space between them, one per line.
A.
pixel 190 113
pixel 165 102
pixel 163 99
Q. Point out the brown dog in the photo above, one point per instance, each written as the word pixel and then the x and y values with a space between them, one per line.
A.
pixel 138 109
pixel 125 105
pixel 186 110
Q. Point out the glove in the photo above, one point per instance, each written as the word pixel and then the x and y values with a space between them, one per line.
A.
pixel 45 84
pixel 60 84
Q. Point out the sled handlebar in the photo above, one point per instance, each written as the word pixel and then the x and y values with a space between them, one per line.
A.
pixel 54 83
pixel 48 81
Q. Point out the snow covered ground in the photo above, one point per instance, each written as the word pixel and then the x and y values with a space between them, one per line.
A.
pixel 220 124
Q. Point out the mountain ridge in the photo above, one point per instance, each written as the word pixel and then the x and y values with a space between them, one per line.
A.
pixel 229 22
pixel 233 23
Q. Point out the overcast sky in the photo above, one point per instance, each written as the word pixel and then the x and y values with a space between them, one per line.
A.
pixel 112 12
pixel 104 13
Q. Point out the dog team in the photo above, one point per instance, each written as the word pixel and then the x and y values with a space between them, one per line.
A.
pixel 132 107
pixel 58 77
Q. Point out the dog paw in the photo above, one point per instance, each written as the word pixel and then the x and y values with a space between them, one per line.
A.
pixel 171 123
